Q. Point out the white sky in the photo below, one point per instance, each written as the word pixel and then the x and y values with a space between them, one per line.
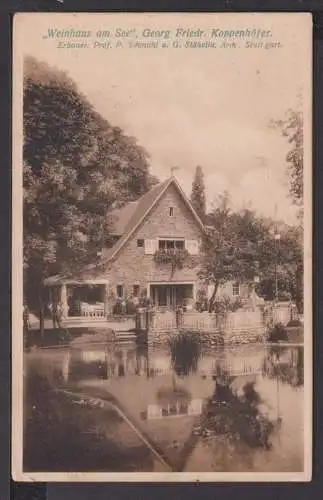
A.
pixel 187 107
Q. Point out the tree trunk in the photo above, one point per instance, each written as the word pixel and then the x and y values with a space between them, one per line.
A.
pixel 174 381
pixel 212 299
pixel 299 288
pixel 41 322
pixel 41 315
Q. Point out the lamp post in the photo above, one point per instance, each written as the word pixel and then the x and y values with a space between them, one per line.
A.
pixel 275 361
pixel 277 239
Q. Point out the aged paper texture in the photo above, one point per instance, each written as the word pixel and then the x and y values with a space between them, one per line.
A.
pixel 162 232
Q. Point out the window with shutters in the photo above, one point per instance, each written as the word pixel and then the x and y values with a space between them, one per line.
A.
pixel 192 246
pixel 171 245
pixel 136 289
pixel 236 288
pixel 150 246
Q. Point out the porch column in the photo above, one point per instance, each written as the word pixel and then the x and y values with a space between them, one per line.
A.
pixel 124 358
pixel 50 295
pixel 194 293
pixel 106 300
pixel 252 296
pixel 64 301
pixel 168 291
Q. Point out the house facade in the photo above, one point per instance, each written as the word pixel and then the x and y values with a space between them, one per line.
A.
pixel 155 254
pixel 143 266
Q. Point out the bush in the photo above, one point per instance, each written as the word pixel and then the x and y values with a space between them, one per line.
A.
pixel 130 307
pixel 277 333
pixel 294 322
pixel 124 307
pixel 64 336
pixel 51 337
pixel 226 304
pixel 176 258
pixel 118 308
pixel 145 302
pixel 201 304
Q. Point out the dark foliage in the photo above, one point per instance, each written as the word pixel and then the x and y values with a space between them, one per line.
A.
pixel 198 193
pixel 234 419
pixel 76 166
pixel 241 246
pixel 277 333
pixel 185 353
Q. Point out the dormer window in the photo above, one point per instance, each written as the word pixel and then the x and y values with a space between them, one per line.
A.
pixel 171 211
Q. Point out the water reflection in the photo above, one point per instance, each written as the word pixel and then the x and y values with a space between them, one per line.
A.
pixel 197 410
pixel 285 364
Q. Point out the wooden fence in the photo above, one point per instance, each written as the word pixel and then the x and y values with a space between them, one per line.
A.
pixel 241 320
pixel 205 322
pixel 280 312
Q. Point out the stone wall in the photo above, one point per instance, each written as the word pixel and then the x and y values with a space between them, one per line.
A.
pixel 280 312
pixel 212 339
pixel 245 336
pixel 240 327
pixel 295 334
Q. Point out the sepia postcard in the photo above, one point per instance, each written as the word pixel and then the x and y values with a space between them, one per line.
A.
pixel 162 247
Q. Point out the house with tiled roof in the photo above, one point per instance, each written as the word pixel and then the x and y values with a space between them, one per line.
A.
pixel 155 254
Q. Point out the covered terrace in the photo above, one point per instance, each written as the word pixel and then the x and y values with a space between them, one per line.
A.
pixel 79 298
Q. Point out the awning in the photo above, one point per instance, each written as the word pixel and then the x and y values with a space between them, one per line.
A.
pixel 70 280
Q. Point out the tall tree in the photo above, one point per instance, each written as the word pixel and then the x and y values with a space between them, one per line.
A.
pixel 198 193
pixel 292 128
pixel 229 251
pixel 76 165
pixel 241 245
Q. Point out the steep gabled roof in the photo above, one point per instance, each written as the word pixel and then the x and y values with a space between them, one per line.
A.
pixel 127 216
pixel 120 217
pixel 128 220
pixel 142 208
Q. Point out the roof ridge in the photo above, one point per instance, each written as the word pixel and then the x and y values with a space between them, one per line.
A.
pixel 144 205
pixel 135 221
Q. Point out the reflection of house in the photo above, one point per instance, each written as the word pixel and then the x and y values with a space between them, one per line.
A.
pixel 287 364
pixel 178 409
pixel 128 360
pixel 143 386
pixel 155 252
pixel 141 382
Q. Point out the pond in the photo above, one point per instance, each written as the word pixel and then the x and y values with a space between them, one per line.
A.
pixel 119 407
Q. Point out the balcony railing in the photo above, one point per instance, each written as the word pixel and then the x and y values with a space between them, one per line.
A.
pixel 92 310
